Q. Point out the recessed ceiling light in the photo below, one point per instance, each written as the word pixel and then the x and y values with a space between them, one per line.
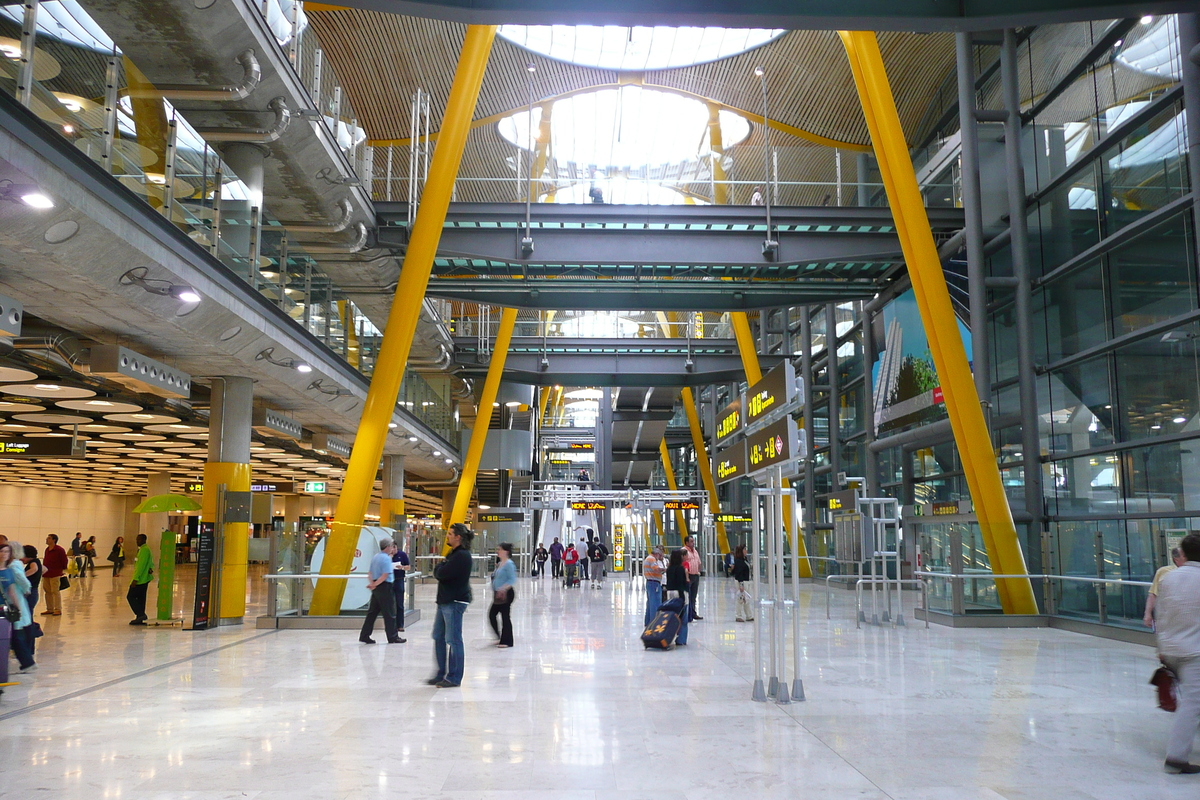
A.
pixel 1156 427
pixel 448 461
pixel 412 438
pixel 1146 20
pixel 37 200
pixel 1179 420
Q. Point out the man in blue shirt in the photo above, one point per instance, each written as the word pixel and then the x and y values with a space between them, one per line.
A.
pixel 383 600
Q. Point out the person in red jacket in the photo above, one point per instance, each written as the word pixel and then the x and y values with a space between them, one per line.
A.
pixel 571 560
pixel 55 562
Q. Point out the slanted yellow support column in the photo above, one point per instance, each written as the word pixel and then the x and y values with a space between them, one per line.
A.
pixel 717 146
pixel 402 321
pixel 749 353
pixel 673 485
pixel 483 418
pixel 689 406
pixel 941 326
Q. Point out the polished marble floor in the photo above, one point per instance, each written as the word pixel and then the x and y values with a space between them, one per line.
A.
pixel 578 710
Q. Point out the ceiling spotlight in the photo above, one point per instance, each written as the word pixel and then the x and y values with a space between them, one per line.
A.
pixel 513 403
pixel 291 363
pixel 163 288
pixel 437 452
pixel 1156 427
pixel 26 193
pixel 758 72
pixel 392 425
pixel 530 68
pixel 449 461
pixel 335 392
pixel 1146 20
pixel 1179 420
pixel 412 438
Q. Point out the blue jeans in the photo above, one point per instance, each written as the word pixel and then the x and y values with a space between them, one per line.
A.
pixel 653 600
pixel 683 618
pixel 447 636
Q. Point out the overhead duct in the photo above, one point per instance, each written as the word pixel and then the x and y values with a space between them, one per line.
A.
pixel 238 91
pixel 356 246
pixel 138 372
pixel 64 348
pixel 337 227
pixel 255 136
pixel 440 363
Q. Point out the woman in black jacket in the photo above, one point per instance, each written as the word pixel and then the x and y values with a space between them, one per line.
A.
pixel 677 581
pixel 453 596
pixel 741 574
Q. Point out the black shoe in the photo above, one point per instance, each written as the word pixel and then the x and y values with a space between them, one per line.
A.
pixel 434 681
pixel 397 640
pixel 446 685
pixel 137 622
pixel 368 640
pixel 1180 768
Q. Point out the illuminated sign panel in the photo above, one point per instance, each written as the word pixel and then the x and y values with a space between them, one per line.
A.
pixel 581 446
pixel 53 447
pixel 776 389
pixel 500 516
pixel 729 422
pixel 774 444
pixel 730 464
pixel 314 487
pixel 588 505
pixel 275 487
pixel 681 505
pixel 734 518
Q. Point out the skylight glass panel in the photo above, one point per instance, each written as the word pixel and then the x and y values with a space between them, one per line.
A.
pixel 636 48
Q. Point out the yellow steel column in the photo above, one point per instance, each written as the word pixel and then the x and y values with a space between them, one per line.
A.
pixel 749 353
pixel 483 418
pixel 673 485
pixel 689 406
pixel 402 321
pixel 941 326
pixel 717 146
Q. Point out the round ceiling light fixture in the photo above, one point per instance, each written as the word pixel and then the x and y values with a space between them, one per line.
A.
pixel 638 48
pixel 54 390
pixel 100 406
pixel 15 374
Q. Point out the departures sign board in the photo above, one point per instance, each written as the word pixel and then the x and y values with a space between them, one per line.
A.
pixel 776 389
pixel 774 444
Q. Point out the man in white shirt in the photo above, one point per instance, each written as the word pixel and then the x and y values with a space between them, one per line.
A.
pixel 1177 622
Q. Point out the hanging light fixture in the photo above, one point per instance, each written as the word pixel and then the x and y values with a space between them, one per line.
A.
pixel 159 286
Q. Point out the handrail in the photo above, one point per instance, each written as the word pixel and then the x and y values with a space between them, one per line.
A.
pixel 989 575
pixel 317 575
pixel 858 606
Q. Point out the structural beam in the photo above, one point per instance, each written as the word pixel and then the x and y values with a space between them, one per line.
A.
pixel 705 466
pixel 402 321
pixel 483 418
pixel 941 324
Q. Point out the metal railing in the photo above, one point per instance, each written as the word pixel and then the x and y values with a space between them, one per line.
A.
pixel 301 608
pixel 1050 600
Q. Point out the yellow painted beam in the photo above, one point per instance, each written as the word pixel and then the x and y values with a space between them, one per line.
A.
pixel 673 485
pixel 750 116
pixel 543 396
pixel 941 325
pixel 483 418
pixel 689 407
pixel 717 145
pixel 402 321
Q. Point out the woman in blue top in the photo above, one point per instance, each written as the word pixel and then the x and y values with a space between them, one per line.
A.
pixel 14 586
pixel 503 581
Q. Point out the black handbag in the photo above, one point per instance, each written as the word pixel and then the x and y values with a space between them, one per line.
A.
pixel 10 612
pixel 64 583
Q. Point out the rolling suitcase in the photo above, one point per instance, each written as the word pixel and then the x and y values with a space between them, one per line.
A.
pixel 6 632
pixel 661 632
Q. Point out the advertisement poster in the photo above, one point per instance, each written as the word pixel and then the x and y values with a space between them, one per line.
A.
pixel 907 391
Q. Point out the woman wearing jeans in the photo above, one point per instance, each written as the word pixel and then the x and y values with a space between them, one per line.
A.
pixel 504 579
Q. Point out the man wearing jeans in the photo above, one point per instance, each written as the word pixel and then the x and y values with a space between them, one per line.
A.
pixel 652 569
pixel 453 596
pixel 691 560
pixel 1177 617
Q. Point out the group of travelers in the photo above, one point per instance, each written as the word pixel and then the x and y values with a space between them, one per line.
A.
pixel 588 559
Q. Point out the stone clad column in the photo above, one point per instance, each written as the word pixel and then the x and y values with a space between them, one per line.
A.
pixel 392 503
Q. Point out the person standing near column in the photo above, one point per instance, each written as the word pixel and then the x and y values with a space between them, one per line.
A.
pixel 692 561
pixel 652 569
pixel 504 581
pixel 400 566
pixel 453 596
pixel 556 556
pixel 1177 623
pixel 55 562
pixel 741 573
pixel 143 573
pixel 380 577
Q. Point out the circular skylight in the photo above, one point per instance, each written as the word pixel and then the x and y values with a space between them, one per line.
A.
pixel 639 48
pixel 626 128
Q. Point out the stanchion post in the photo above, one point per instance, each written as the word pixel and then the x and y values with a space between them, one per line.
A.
pixel 759 692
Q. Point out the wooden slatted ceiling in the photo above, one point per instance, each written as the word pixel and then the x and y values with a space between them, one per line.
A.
pixel 381 59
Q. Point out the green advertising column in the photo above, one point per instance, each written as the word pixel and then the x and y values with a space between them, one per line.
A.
pixel 166 575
